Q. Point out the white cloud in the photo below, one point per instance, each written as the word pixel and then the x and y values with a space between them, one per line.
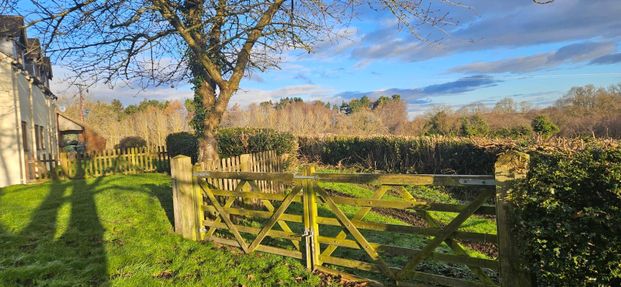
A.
pixel 510 25
pixel 574 53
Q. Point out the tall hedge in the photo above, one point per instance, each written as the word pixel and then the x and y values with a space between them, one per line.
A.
pixel 570 210
pixel 401 154
pixel 236 141
pixel 233 142
pixel 182 143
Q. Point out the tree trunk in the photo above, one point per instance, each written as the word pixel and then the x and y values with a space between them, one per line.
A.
pixel 214 110
pixel 208 147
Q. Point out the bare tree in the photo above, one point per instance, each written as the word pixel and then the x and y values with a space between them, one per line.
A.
pixel 212 43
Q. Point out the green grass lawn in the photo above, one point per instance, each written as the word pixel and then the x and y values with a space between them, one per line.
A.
pixel 116 231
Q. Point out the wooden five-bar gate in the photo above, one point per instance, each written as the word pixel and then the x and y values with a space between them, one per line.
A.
pixel 303 220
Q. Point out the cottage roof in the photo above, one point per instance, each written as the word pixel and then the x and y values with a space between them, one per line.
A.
pixel 68 124
pixel 13 26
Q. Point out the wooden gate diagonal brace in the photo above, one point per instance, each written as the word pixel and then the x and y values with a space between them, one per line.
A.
pixel 272 221
pixel 227 204
pixel 446 232
pixel 450 241
pixel 360 214
pixel 226 217
pixel 351 228
pixel 270 208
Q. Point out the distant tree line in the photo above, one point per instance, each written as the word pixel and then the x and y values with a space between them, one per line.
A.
pixel 583 111
pixel 149 120
pixel 363 116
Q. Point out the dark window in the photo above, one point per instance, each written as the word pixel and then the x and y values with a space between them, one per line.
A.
pixel 43 141
pixel 37 140
pixel 41 133
pixel 25 136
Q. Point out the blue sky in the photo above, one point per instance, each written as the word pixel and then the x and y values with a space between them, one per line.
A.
pixel 508 48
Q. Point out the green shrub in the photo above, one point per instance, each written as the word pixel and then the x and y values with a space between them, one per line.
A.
pixel 131 142
pixel 236 141
pixel 473 126
pixel 401 155
pixel 182 143
pixel 542 125
pixel 233 142
pixel 570 210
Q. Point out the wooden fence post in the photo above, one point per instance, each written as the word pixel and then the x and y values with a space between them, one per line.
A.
pixel 510 166
pixel 185 200
pixel 245 165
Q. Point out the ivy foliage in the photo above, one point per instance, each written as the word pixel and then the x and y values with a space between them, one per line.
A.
pixel 570 218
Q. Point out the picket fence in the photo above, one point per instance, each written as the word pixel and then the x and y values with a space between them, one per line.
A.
pixel 267 161
pixel 114 161
pixel 147 159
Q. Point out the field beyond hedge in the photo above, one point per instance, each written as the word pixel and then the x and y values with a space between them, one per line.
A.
pixel 117 231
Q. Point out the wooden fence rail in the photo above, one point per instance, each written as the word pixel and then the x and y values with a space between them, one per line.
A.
pixel 212 204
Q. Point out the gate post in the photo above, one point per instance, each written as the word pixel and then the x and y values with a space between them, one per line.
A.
pixel 311 227
pixel 186 201
pixel 509 166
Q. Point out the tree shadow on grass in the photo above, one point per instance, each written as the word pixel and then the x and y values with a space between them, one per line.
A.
pixel 161 191
pixel 39 255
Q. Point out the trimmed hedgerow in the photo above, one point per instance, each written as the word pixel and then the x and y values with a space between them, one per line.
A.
pixel 401 154
pixel 570 218
pixel 236 141
pixel 233 142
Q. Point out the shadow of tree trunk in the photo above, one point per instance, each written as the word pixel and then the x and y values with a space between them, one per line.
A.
pixel 77 257
pixel 85 232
